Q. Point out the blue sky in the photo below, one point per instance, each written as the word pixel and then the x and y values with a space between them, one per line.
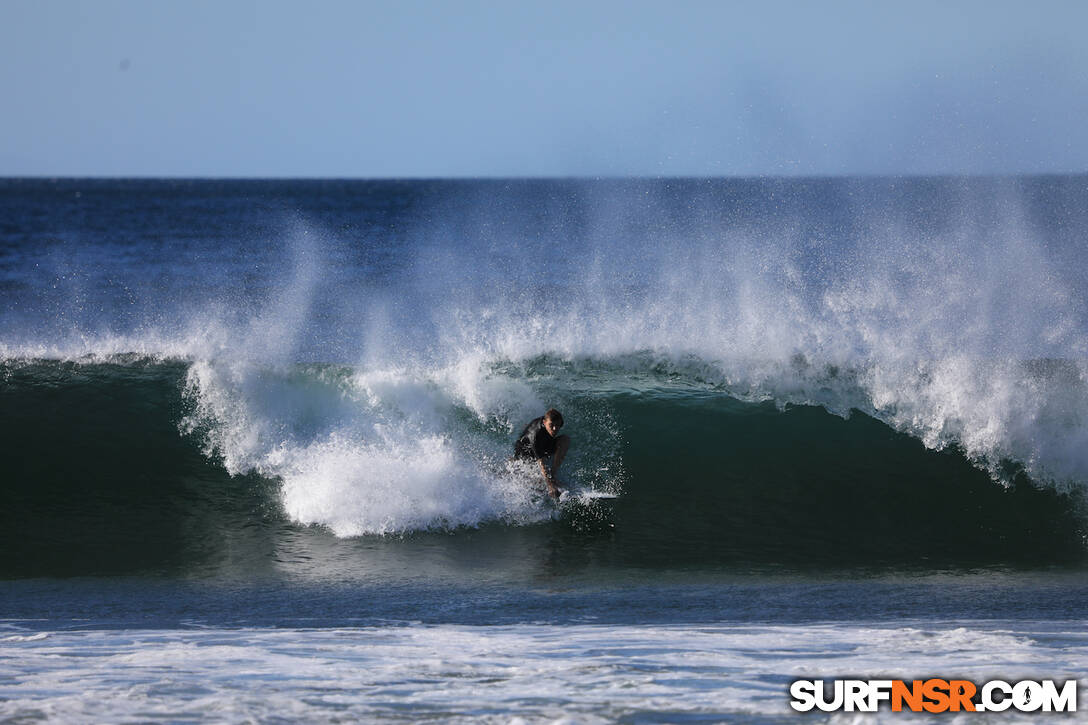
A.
pixel 410 88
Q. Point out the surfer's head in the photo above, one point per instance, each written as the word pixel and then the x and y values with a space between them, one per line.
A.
pixel 553 421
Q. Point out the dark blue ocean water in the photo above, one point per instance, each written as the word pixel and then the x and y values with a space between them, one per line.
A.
pixel 838 415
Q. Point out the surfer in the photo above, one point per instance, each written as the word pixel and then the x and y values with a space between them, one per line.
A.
pixel 539 440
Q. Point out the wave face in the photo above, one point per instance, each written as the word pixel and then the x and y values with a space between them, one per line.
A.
pixel 137 465
pixel 754 366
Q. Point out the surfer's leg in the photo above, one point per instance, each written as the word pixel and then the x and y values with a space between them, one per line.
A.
pixel 562 443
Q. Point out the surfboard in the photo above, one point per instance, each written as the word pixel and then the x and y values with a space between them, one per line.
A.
pixel 586 510
pixel 584 495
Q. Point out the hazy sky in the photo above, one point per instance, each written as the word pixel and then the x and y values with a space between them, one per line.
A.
pixel 447 88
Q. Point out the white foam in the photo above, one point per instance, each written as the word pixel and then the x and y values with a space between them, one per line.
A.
pixel 582 673
pixel 365 453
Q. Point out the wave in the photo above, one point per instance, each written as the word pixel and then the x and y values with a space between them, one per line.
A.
pixel 105 453
pixel 370 380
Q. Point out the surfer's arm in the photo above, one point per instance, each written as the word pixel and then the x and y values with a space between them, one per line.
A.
pixel 553 490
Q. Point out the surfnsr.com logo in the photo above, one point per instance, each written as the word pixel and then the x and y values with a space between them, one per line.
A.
pixel 934 695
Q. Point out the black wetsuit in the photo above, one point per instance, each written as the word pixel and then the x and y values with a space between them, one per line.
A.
pixel 534 442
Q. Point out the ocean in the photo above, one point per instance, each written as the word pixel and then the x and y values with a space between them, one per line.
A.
pixel 256 441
